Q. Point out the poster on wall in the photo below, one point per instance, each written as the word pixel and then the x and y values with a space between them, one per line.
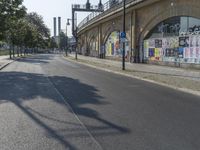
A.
pixel 171 52
pixel 165 43
pixel 183 41
pixel 198 52
pixel 151 43
pixel 158 43
pixel 193 52
pixel 146 51
pixel 180 52
pixel 186 52
pixel 193 41
pixel 151 52
pixel 198 41
pixel 173 42
pixel 112 45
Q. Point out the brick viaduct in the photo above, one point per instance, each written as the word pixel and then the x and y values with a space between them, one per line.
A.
pixel 141 17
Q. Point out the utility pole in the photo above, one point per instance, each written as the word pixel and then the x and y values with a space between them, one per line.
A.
pixel 124 32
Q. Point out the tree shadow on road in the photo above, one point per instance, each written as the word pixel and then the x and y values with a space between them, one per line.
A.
pixel 24 89
pixel 38 59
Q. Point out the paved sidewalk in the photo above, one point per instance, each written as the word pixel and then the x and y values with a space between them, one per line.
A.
pixel 187 80
pixel 4 61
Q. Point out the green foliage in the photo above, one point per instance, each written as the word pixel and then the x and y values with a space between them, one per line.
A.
pixel 62 41
pixel 10 11
pixel 52 43
pixel 21 29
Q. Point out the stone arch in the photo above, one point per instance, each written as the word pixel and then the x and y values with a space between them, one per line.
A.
pixel 93 49
pixel 81 44
pixel 92 34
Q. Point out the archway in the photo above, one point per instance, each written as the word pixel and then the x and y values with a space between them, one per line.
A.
pixel 93 46
pixel 113 45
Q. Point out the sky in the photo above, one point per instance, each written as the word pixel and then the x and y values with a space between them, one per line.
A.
pixel 57 8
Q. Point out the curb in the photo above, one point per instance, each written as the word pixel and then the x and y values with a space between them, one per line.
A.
pixel 189 91
pixel 6 64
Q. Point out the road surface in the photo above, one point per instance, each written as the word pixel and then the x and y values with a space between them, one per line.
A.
pixel 48 103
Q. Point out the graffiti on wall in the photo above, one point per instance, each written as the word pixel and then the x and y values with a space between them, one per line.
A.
pixel 113 46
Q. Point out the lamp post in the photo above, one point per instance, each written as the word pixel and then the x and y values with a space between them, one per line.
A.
pixel 124 24
pixel 75 36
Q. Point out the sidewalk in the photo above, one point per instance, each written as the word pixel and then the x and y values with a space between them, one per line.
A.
pixel 178 78
pixel 4 61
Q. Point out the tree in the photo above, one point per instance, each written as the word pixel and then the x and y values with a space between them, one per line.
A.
pixel 20 29
pixel 41 34
pixel 53 43
pixel 62 41
pixel 10 11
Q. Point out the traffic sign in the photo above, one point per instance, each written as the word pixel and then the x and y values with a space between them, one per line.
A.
pixel 123 34
pixel 123 40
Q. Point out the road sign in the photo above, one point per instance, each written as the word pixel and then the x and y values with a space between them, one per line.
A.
pixel 123 34
pixel 123 40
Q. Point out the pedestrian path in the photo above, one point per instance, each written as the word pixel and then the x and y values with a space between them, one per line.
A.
pixel 147 68
pixel 185 80
pixel 4 60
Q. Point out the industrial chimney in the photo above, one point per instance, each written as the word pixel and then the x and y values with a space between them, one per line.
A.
pixel 59 25
pixel 54 26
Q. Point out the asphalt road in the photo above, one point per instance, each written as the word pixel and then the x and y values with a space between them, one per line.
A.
pixel 48 103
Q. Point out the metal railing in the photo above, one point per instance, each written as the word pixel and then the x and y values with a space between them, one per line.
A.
pixel 78 6
pixel 107 7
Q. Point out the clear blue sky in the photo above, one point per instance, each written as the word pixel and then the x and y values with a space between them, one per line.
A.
pixel 55 8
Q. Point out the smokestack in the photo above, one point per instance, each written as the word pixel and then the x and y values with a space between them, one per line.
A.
pixel 54 26
pixel 59 25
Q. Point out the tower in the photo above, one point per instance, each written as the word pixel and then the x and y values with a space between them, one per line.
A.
pixel 54 26
pixel 59 25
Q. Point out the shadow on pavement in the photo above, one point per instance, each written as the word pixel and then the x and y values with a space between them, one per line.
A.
pixel 38 59
pixel 22 88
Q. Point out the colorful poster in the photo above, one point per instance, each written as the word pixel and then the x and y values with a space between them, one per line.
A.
pixel 157 52
pixel 112 44
pixel 174 42
pixel 151 52
pixel 180 51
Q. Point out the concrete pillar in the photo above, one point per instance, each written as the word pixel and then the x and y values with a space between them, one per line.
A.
pixel 100 43
pixel 133 34
pixel 86 44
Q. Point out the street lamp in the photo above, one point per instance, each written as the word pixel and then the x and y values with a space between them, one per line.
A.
pixel 124 32
pixel 68 23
